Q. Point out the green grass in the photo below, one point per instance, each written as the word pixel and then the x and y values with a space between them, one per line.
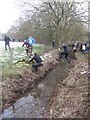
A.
pixel 8 60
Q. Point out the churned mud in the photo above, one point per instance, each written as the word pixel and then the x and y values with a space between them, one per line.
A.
pixel 58 90
pixel 71 97
pixel 14 87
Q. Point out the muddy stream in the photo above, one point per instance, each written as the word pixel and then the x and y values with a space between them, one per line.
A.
pixel 34 103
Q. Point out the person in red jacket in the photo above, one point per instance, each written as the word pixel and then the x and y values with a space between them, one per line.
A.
pixel 27 46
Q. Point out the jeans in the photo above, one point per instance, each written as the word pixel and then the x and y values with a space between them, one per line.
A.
pixel 36 65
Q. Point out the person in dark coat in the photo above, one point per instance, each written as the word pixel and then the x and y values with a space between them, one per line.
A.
pixel 38 61
pixel 27 46
pixel 65 52
pixel 7 42
pixel 53 44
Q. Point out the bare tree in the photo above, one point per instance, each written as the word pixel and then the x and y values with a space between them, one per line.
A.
pixel 53 20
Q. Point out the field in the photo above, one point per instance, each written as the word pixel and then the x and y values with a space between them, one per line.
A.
pixel 10 61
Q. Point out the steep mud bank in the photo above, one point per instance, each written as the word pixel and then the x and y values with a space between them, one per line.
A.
pixel 71 97
pixel 15 86
pixel 35 101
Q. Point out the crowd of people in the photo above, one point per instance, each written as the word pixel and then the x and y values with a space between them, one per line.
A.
pixel 29 48
pixel 83 47
pixel 75 46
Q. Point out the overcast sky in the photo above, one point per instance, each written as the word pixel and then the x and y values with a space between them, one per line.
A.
pixel 9 14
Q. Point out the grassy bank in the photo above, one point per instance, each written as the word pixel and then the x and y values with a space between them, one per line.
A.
pixel 9 60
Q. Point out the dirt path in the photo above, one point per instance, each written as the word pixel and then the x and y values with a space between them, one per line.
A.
pixel 70 99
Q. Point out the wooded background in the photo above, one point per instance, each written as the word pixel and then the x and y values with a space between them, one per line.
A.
pixel 45 21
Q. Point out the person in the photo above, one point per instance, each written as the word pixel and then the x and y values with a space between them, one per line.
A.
pixel 65 52
pixel 53 44
pixel 27 46
pixel 87 46
pixel 72 43
pixel 74 48
pixel 80 47
pixel 13 40
pixel 38 61
pixel 25 43
pixel 83 48
pixel 7 42
pixel 31 42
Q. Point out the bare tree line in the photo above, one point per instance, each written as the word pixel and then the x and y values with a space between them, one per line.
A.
pixel 59 20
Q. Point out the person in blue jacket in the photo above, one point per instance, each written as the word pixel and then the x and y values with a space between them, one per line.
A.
pixel 31 42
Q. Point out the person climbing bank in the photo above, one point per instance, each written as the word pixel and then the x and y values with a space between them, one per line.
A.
pixel 38 61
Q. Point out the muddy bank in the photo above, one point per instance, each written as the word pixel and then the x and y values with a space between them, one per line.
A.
pixel 15 86
pixel 35 101
pixel 71 97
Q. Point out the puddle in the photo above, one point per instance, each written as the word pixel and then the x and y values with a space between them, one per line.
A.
pixel 35 102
